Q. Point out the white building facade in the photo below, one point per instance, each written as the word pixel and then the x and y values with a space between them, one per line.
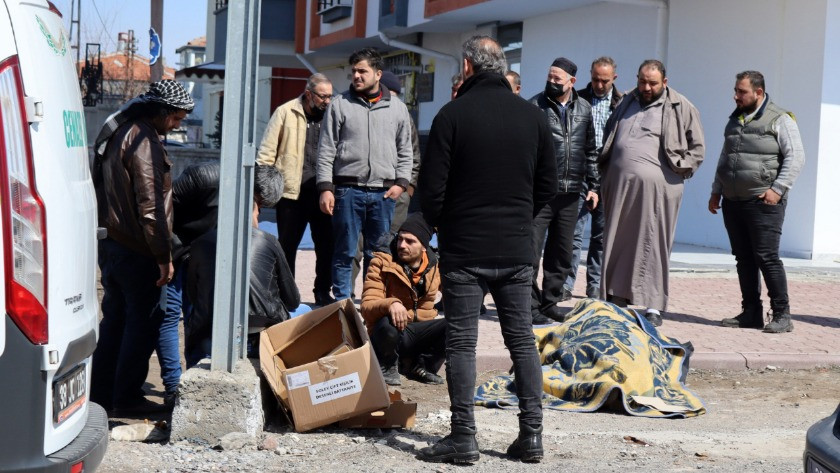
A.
pixel 703 43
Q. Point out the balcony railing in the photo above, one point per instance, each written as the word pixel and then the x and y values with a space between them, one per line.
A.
pixel 334 10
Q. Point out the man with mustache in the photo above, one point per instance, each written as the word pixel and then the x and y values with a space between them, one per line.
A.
pixel 290 143
pixel 652 143
pixel 365 156
pixel 762 156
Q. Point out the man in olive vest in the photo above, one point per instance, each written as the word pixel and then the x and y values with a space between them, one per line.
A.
pixel 762 156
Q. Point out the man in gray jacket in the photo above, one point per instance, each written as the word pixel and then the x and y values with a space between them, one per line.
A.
pixel 364 164
pixel 761 157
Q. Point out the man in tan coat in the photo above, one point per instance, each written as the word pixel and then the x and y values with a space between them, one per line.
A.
pixel 290 143
pixel 398 305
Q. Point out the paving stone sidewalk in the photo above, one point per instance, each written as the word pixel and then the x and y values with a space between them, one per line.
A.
pixel 701 295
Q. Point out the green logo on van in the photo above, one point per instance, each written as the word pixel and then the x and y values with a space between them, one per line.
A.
pixel 58 46
pixel 74 129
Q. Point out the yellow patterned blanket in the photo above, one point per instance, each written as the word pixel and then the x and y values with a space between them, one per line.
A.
pixel 601 354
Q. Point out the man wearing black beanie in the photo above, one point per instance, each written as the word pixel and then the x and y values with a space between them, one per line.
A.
pixel 398 305
pixel 572 129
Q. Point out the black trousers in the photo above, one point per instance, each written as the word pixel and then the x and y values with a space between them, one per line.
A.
pixel 292 218
pixel 755 230
pixel 423 342
pixel 559 218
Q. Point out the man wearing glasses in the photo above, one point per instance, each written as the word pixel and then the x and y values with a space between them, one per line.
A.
pixel 290 143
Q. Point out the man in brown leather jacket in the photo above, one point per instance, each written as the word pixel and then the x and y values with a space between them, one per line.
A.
pixel 134 200
pixel 398 305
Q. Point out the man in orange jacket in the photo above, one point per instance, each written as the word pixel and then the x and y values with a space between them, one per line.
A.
pixel 398 305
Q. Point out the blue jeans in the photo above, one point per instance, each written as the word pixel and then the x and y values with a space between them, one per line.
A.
pixel 595 255
pixel 168 351
pixel 462 296
pixel 129 328
pixel 358 210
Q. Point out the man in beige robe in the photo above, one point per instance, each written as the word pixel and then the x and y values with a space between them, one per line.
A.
pixel 653 142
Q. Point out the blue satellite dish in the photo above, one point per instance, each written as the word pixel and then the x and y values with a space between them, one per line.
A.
pixel 154 46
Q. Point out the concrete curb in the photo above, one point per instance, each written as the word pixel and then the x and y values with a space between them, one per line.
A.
pixel 493 360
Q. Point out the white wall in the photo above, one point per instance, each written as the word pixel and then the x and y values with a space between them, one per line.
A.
pixel 627 33
pixel 826 204
pixel 449 43
pixel 710 42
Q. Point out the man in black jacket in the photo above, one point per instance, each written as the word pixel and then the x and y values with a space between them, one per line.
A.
pixel 481 187
pixel 603 97
pixel 570 119
pixel 273 293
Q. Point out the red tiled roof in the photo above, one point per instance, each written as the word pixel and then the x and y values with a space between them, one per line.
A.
pixel 115 67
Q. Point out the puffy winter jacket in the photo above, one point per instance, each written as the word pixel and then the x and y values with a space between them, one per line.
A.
pixel 195 195
pixel 574 143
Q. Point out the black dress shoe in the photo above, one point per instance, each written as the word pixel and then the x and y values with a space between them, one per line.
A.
pixel 539 319
pixel 528 446
pixel 567 295
pixel 454 448
pixel 323 298
pixel 555 313
pixel 750 317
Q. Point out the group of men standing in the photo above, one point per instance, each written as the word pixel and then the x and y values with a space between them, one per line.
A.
pixel 499 173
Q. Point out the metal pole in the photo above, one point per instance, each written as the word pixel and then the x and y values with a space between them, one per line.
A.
pixel 156 69
pixel 230 304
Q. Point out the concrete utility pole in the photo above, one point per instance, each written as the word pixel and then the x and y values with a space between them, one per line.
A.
pixel 157 25
pixel 230 302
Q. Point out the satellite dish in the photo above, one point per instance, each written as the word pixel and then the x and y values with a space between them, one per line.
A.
pixel 154 46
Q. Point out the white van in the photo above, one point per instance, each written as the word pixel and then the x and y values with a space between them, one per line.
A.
pixel 48 229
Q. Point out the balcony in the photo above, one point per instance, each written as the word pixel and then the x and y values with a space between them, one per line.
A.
pixel 334 10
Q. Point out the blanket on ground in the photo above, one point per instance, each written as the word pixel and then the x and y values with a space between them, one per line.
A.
pixel 601 354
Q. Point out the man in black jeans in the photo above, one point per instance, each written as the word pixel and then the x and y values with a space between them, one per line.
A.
pixel 570 120
pixel 398 305
pixel 481 188
pixel 761 158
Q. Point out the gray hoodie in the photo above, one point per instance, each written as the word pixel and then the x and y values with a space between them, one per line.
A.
pixel 365 144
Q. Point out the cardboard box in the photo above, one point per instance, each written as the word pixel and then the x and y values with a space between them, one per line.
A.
pixel 321 366
pixel 400 414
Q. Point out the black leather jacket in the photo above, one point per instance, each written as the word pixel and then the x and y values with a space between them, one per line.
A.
pixel 574 143
pixel 195 196
pixel 272 293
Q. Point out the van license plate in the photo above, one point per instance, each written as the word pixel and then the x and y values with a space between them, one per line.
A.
pixel 69 394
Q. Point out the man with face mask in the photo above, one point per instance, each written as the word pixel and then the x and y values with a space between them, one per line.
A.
pixel 652 143
pixel 570 119
pixel 290 143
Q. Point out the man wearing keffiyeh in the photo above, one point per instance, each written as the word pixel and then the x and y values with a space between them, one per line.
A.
pixel 134 199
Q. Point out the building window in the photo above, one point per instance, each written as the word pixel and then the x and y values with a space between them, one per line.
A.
pixel 510 38
pixel 221 4
pixel 334 10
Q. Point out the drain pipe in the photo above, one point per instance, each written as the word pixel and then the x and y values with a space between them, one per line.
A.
pixel 306 63
pixel 662 8
pixel 417 49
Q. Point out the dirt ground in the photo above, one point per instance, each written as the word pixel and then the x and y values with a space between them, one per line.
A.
pixel 756 422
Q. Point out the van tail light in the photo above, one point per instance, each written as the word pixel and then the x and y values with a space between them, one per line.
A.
pixel 23 213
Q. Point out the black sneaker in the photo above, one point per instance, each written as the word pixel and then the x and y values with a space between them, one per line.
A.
pixel 418 373
pixel 528 446
pixel 391 375
pixel 460 449
pixel 781 323
pixel 748 318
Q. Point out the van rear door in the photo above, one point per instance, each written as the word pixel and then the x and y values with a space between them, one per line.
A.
pixel 62 179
